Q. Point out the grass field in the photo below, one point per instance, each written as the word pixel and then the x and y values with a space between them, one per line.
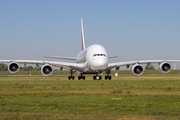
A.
pixel 124 97
pixel 65 72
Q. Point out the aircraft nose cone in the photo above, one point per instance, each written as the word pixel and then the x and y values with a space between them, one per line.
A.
pixel 99 64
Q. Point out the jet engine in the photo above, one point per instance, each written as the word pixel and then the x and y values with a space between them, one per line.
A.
pixel 164 67
pixel 137 69
pixel 13 67
pixel 46 70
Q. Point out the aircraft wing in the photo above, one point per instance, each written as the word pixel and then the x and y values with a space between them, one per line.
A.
pixel 57 57
pixel 67 65
pixel 119 64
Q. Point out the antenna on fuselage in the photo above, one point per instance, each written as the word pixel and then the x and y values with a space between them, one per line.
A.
pixel 82 35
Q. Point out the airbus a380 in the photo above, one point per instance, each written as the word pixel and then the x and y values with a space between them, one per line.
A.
pixel 91 60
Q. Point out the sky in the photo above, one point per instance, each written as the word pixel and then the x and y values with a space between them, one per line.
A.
pixel 130 29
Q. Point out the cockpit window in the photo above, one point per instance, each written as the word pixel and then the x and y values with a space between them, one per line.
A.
pixel 99 55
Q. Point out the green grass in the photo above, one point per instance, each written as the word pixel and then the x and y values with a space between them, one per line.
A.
pixel 63 73
pixel 124 97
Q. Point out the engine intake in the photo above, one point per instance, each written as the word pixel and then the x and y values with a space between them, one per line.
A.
pixel 46 70
pixel 13 67
pixel 137 69
pixel 164 67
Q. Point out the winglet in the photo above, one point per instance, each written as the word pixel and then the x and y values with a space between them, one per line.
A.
pixel 82 35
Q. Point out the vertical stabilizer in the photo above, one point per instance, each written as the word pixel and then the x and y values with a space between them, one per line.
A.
pixel 82 35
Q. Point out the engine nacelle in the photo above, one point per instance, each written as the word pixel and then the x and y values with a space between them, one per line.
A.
pixel 164 67
pixel 137 69
pixel 13 67
pixel 46 70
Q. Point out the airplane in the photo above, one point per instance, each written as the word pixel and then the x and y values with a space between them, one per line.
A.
pixel 91 60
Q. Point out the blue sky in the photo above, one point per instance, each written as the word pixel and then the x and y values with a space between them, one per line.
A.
pixel 131 29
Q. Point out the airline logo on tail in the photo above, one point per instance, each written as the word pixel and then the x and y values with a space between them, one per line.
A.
pixel 82 35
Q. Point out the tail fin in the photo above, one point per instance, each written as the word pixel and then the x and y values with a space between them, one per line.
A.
pixel 82 35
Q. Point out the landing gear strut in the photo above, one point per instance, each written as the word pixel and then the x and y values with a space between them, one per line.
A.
pixel 108 77
pixel 71 77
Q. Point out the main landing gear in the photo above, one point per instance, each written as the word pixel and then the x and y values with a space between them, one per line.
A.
pixel 97 77
pixel 81 77
pixel 71 77
pixel 108 77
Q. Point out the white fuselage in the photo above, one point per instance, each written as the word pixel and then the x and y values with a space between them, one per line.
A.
pixel 95 58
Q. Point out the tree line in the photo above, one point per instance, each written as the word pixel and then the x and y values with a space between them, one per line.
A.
pixel 4 67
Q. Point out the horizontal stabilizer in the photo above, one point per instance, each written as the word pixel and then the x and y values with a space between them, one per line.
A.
pixel 113 57
pixel 57 57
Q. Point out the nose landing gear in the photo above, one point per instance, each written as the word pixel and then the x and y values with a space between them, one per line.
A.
pixel 97 77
